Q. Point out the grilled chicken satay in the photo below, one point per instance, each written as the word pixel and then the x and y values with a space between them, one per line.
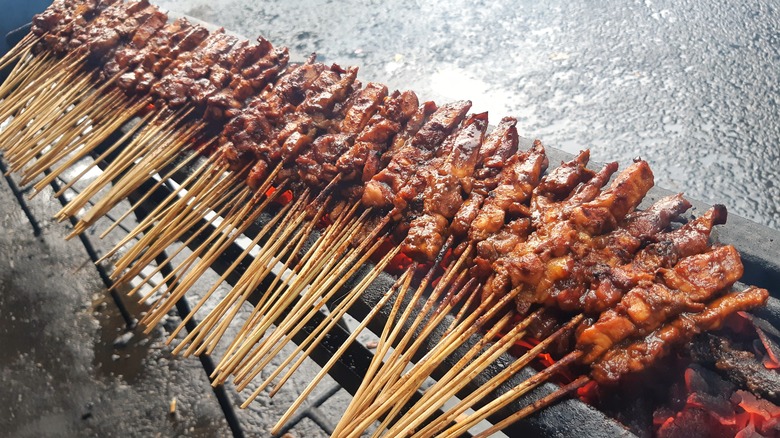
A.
pixel 321 113
pixel 516 231
pixel 646 307
pixel 510 198
pixel 360 162
pixel 557 186
pixel 245 139
pixel 444 191
pixel 542 259
pixel 146 64
pixel 591 260
pixel 637 355
pixel 384 188
pixel 108 30
pixel 497 148
pixel 301 120
pixel 249 69
pixel 318 165
pixel 61 20
pixel 186 79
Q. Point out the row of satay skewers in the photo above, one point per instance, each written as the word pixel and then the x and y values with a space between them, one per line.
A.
pixel 483 233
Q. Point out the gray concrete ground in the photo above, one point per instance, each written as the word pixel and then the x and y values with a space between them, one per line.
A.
pixel 66 368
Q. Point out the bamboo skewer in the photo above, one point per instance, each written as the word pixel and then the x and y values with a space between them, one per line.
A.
pixel 461 373
pixel 26 71
pixel 386 340
pixel 274 302
pixel 258 269
pixel 492 384
pixel 140 154
pixel 208 191
pixel 174 272
pixel 148 166
pixel 272 294
pixel 404 387
pixel 383 373
pixel 160 210
pixel 401 285
pixel 85 146
pixel 49 100
pixel 404 351
pixel 505 399
pixel 305 299
pixel 89 110
pixel 187 278
pixel 375 378
pixel 311 301
pixel 226 239
pixel 35 82
pixel 119 164
pixel 162 180
pixel 179 219
pixel 101 158
pixel 20 50
pixel 291 247
pixel 48 105
pixel 319 332
pixel 452 373
pixel 536 406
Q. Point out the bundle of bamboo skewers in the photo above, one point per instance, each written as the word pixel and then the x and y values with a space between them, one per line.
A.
pixel 485 242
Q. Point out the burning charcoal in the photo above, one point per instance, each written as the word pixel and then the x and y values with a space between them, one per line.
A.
pixel 741 367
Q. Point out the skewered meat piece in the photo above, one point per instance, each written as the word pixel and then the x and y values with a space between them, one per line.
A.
pixel 518 180
pixel 545 258
pixel 410 119
pixel 245 138
pixel 360 160
pixel 126 55
pixel 107 30
pixel 646 307
pixel 603 213
pixel 692 238
pixel 558 185
pixel 250 68
pixel 297 111
pixel 187 77
pixel 444 191
pixel 498 147
pixel 588 287
pixel 415 123
pixel 516 231
pixel 363 108
pixel 321 110
pixel 159 52
pixel 318 165
pixel 57 19
pixel 638 355
pixel 384 187
pixel 131 55
pixel 57 35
